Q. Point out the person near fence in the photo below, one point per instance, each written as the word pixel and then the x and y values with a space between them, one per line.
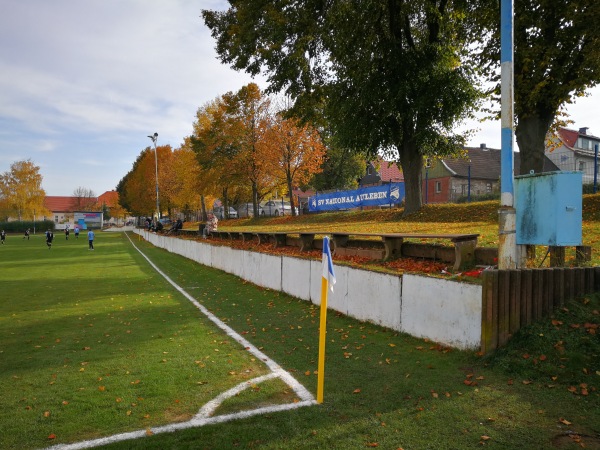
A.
pixel 211 225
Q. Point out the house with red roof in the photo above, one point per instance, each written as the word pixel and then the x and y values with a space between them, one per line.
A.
pixel 62 208
pixel 380 172
pixel 477 173
pixel 574 150
pixel 109 199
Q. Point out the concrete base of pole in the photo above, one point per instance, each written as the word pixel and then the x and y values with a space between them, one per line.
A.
pixel 508 257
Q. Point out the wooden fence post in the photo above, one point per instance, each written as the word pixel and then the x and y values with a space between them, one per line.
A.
pixel 526 296
pixel 537 294
pixel 559 287
pixel 569 284
pixel 589 280
pixel 515 301
pixel 579 281
pixel 489 322
pixel 548 292
pixel 503 306
pixel 557 256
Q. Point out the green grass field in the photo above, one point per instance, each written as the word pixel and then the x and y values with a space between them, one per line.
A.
pixel 97 343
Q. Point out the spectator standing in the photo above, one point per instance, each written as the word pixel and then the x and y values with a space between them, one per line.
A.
pixel 49 238
pixel 2 236
pixel 90 240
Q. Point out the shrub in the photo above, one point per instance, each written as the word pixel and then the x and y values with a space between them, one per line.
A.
pixel 20 226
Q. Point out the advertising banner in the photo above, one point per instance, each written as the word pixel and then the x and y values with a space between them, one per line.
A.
pixel 384 195
pixel 87 220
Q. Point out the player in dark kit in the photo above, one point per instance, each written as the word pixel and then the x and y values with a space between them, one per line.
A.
pixel 49 238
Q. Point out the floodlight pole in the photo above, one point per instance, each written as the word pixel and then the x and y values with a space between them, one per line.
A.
pixel 507 226
pixel 154 137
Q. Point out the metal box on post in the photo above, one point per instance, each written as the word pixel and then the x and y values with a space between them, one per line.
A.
pixel 549 209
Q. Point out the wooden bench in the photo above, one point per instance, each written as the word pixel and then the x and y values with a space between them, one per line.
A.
pixel 464 244
pixel 279 238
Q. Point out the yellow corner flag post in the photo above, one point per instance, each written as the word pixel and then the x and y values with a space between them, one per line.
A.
pixel 327 281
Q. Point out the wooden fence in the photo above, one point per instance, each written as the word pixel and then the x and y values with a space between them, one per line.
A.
pixel 512 299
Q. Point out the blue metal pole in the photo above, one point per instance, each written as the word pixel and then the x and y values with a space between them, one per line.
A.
pixel 507 244
pixel 595 168
pixel 469 184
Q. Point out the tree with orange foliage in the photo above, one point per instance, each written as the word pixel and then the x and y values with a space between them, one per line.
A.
pixel 137 188
pixel 295 152
pixel 183 175
pixel 227 140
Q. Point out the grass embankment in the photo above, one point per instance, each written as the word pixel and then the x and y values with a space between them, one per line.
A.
pixel 94 343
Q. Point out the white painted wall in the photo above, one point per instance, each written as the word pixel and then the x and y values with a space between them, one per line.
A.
pixel 444 311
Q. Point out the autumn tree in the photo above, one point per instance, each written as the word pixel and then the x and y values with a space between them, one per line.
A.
pixel 556 58
pixel 84 198
pixel 295 152
pixel 388 75
pixel 137 189
pixel 215 152
pixel 184 176
pixel 227 138
pixel 21 189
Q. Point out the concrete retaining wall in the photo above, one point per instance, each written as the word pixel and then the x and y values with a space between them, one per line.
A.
pixel 445 311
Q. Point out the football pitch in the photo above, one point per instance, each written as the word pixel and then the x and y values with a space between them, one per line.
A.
pixel 103 349
pixel 102 346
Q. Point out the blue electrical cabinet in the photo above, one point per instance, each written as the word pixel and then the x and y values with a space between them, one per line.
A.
pixel 549 208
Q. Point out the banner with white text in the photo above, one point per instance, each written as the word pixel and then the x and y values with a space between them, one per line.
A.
pixel 384 195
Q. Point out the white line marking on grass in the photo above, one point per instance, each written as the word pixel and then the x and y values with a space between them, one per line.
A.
pixel 204 415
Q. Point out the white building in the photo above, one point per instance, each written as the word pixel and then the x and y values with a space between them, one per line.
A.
pixel 573 150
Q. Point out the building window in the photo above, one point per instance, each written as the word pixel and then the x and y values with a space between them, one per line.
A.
pixel 438 187
pixel 56 219
pixel 488 188
pixel 581 166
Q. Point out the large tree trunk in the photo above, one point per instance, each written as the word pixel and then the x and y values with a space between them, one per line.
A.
pixel 291 192
pixel 531 138
pixel 203 207
pixel 255 203
pixel 412 163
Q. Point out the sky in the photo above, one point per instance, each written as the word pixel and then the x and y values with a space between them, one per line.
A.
pixel 83 84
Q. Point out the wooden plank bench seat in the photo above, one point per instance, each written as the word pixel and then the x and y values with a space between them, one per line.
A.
pixel 464 244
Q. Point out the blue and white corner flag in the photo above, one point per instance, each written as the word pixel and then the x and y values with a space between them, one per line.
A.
pixel 328 274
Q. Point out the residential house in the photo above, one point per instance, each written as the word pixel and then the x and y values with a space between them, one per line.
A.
pixel 381 172
pixel 477 173
pixel 62 208
pixel 573 150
